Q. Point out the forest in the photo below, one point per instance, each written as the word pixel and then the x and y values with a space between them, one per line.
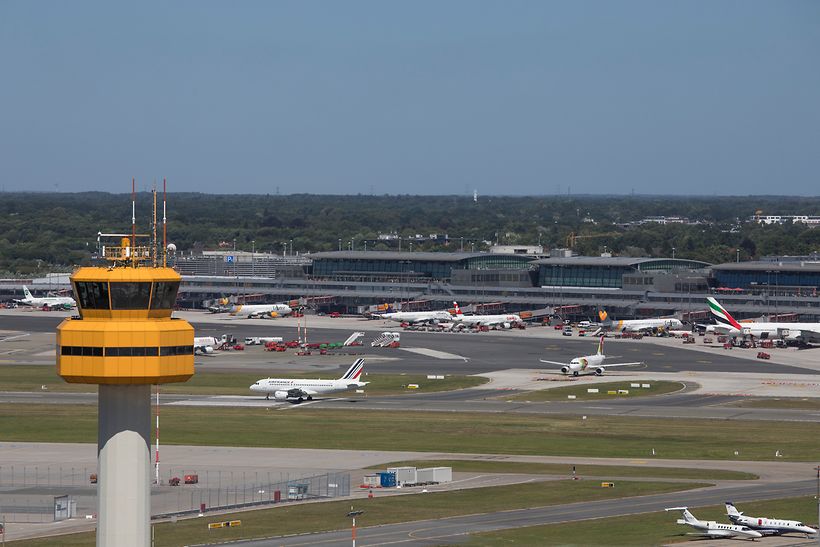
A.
pixel 43 232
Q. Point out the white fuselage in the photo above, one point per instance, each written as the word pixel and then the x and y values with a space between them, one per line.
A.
pixel 775 525
pixel 260 310
pixel 636 325
pixel 587 363
pixel 718 529
pixel 418 316
pixel 270 386
pixel 488 320
pixel 47 301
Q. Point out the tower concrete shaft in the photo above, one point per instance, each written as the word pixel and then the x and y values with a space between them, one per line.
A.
pixel 123 449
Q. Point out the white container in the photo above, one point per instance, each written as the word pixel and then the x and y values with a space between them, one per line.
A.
pixel 592 390
pixel 434 474
pixel 404 475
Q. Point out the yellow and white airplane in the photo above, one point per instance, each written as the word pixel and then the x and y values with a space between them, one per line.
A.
pixel 258 311
pixel 587 364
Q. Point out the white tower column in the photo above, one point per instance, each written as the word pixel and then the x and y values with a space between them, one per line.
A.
pixel 124 475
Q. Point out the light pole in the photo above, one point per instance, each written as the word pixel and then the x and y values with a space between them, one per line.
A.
pixel 353 514
pixel 291 247
pixel 737 251
pixel 673 253
pixel 253 258
pixel 340 244
pixel 818 496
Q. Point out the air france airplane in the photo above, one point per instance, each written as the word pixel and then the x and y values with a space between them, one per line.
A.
pixel 297 390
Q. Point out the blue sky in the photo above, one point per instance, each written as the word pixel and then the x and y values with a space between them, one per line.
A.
pixel 423 97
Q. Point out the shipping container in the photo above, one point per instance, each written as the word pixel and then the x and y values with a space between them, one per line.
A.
pixel 434 475
pixel 404 475
pixel 388 480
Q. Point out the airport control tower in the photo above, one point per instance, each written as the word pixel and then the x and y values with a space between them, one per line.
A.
pixel 125 339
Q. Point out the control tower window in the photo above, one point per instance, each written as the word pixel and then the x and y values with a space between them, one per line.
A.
pixel 130 296
pixel 92 295
pixel 165 295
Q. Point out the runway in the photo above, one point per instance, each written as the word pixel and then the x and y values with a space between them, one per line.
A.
pixel 454 530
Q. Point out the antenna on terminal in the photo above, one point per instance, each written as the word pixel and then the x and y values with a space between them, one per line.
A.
pixel 133 214
pixel 154 227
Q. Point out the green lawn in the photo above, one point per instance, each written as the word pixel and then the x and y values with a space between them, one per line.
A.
pixel 475 433
pixel 315 517
pixel 579 389
pixel 786 403
pixel 33 377
pixel 646 529
pixel 581 470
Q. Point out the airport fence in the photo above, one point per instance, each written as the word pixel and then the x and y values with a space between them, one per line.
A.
pixel 29 493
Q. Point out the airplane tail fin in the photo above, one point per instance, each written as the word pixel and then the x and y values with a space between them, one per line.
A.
pixel 601 346
pixel 688 517
pixel 722 316
pixel 27 292
pixel 457 308
pixel 731 510
pixel 354 372
pixel 605 320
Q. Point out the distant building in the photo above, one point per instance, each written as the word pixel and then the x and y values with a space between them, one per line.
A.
pixel 517 249
pixel 786 219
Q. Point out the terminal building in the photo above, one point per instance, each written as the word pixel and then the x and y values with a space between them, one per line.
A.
pixel 353 281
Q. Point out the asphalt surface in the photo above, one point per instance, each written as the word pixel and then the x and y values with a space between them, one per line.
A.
pixel 454 530
pixel 468 353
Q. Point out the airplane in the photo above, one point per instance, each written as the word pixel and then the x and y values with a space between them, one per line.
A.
pixel 258 311
pixel 589 363
pixel 767 526
pixel 637 325
pixel 804 333
pixel 207 344
pixel 412 317
pixel 712 529
pixel 499 320
pixel 289 389
pixel 49 301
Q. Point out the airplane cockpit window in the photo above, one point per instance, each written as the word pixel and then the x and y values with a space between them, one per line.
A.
pixel 92 295
pixel 165 295
pixel 130 296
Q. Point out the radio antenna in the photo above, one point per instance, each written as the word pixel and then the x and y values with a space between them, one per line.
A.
pixel 164 233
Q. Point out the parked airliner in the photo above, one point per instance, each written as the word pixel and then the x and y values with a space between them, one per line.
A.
pixel 712 529
pixel 50 301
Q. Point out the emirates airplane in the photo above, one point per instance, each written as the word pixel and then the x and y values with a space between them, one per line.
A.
pixel 803 333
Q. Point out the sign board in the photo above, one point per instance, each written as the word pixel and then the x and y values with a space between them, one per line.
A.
pixel 229 259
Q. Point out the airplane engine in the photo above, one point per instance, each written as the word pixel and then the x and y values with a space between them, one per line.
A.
pixel 280 396
pixel 599 371
pixel 506 325
pixel 564 369
pixel 204 349
pixel 274 314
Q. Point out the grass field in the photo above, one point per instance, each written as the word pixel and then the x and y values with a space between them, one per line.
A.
pixel 476 433
pixel 33 377
pixel 647 529
pixel 600 471
pixel 786 403
pixel 313 517
pixel 581 394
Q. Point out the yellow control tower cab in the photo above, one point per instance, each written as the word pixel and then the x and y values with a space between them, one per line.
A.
pixel 124 333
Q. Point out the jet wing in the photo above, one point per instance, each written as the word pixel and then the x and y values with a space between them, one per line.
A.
pixel 620 364
pixel 554 363
pixel 713 534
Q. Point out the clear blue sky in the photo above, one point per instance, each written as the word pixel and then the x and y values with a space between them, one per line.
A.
pixel 509 97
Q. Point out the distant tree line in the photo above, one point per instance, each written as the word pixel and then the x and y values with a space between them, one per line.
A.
pixel 42 232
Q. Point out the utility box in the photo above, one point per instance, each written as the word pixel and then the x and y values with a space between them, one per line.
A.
pixel 435 475
pixel 404 475
pixel 387 480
